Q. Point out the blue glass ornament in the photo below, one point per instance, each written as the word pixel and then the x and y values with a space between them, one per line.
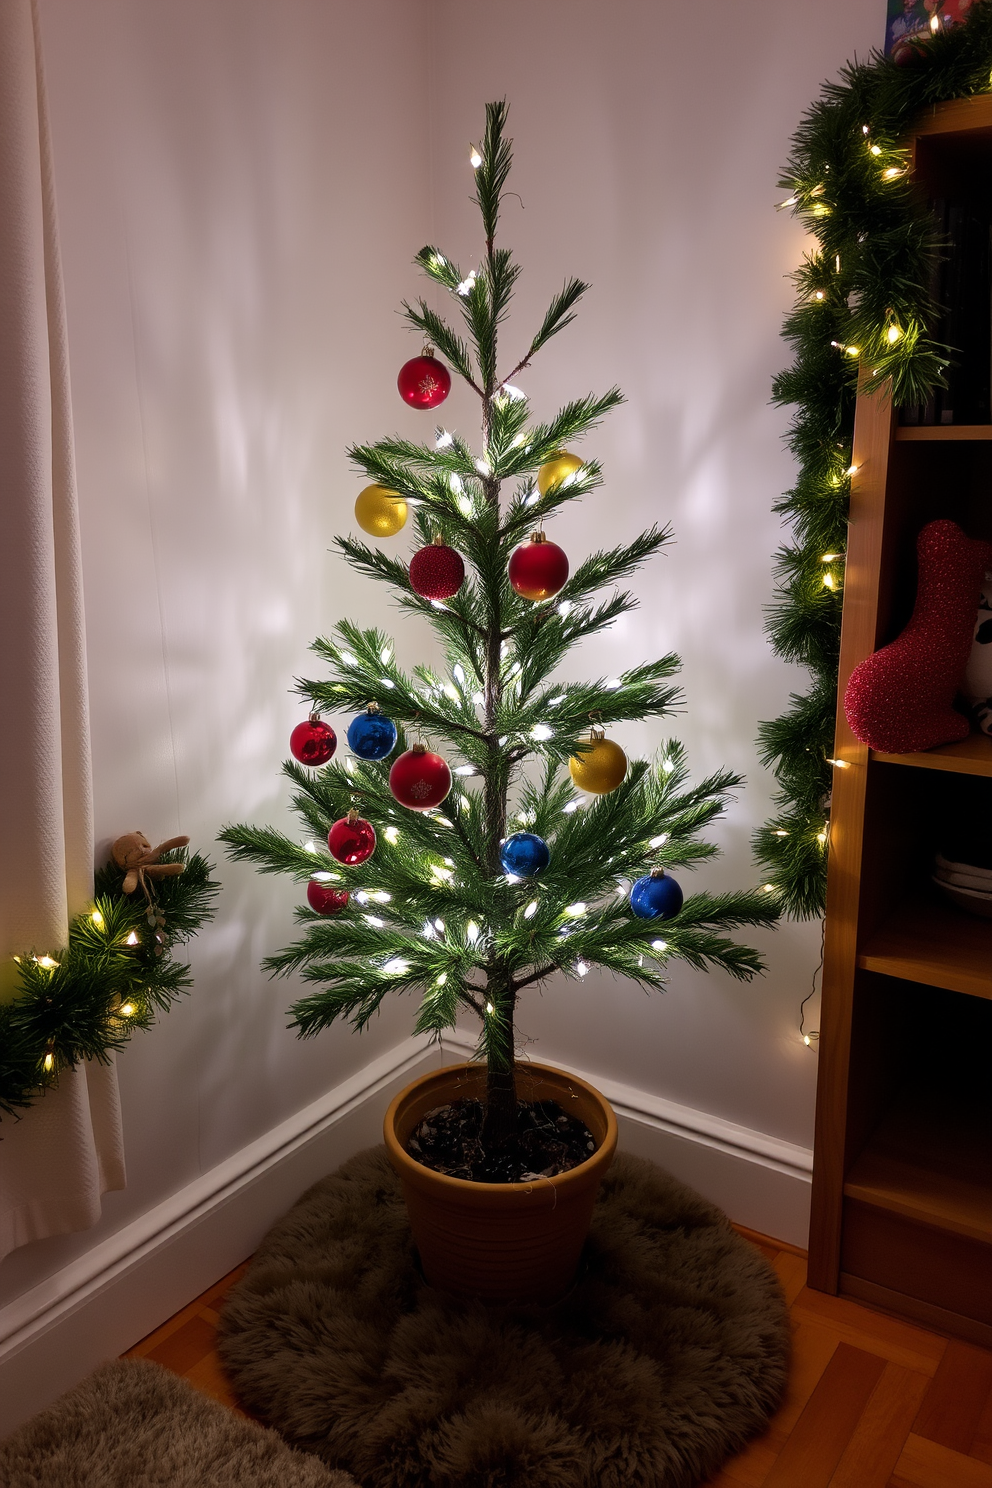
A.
pixel 524 854
pixel 656 896
pixel 372 735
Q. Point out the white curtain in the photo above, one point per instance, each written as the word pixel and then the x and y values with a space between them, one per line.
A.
pixel 67 1149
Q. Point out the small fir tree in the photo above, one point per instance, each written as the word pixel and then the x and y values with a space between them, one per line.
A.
pixel 433 910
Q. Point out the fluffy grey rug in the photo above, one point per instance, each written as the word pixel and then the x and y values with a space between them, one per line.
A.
pixel 668 1354
pixel 135 1425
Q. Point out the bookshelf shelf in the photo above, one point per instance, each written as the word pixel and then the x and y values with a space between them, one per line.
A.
pixel 924 940
pixel 957 432
pixel 971 756
pixel 902 1173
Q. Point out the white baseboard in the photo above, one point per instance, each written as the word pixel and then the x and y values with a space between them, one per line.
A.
pixel 113 1295
pixel 760 1181
pixel 120 1290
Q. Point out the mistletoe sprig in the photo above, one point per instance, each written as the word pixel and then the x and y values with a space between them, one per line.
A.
pixel 864 311
pixel 115 974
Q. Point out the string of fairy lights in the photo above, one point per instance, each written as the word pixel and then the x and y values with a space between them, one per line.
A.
pixel 861 321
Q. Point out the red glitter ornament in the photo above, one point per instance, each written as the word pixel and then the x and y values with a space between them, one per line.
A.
pixel 437 571
pixel 324 899
pixel 351 839
pixel 899 700
pixel 538 568
pixel 313 742
pixel 424 382
pixel 419 779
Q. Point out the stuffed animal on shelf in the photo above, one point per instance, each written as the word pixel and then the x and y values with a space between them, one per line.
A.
pixel 900 699
pixel 135 854
pixel 977 686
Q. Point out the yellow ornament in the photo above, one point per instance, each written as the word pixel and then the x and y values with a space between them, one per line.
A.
pixel 380 511
pixel 554 471
pixel 599 766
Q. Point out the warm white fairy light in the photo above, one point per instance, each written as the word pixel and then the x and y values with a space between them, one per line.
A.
pixel 323 877
pixel 576 909
pixel 348 659
pixel 852 470
pixel 564 608
pixel 386 682
pixel 768 888
pixel 132 940
pixel 829 582
pixel 582 968
pixel 440 981
pixel 532 499
pixel 892 172
pixel 437 262
pixel 484 468
pixel 780 833
pixel 396 967
pixel 48 1063
pixel 892 334
pixel 459 674
pixel 443 439
pixel 127 1010
pixel 391 835
pixel 465 770
pixel 439 926
pixel 542 731
pixel 659 841
pixel 839 764
pixel 451 692
pixel 474 158
pixel 48 963
pixel 490 1009
pixel 97 919
pixel 659 945
pixel 465 287
pixel 531 910
pixel 374 920
pixel 571 806
pixel 875 149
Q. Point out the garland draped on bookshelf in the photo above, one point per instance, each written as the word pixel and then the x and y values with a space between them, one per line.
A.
pixel 864 309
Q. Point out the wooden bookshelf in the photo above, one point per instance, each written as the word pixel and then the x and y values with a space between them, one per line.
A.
pixel 902 1177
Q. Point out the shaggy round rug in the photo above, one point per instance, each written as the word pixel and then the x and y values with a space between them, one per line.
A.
pixel 670 1351
pixel 132 1424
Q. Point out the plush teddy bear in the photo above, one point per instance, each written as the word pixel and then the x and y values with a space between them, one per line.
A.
pixel 135 854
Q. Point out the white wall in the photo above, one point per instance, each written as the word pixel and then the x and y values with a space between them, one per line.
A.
pixel 648 143
pixel 242 184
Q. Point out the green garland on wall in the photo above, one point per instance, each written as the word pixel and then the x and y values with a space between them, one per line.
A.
pixel 116 972
pixel 864 307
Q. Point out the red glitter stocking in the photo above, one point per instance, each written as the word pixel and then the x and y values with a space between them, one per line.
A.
pixel 900 699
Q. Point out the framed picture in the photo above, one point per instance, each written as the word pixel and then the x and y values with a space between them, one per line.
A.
pixel 909 19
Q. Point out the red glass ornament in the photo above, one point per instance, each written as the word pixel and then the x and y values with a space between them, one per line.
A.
pixel 313 742
pixel 351 839
pixel 424 382
pixel 437 572
pixel 538 568
pixel 420 779
pixel 324 899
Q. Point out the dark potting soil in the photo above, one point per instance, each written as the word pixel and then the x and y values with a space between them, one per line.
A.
pixel 545 1143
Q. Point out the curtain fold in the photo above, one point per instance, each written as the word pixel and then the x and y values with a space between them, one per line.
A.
pixel 67 1149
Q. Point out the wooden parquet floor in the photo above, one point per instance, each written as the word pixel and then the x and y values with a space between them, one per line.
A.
pixel 872 1402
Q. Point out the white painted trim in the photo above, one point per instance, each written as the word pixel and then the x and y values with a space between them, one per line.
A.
pixel 115 1293
pixel 681 1121
pixel 760 1181
pixel 107 1299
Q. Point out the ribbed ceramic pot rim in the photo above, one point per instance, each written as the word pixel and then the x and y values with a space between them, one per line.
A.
pixel 573 1177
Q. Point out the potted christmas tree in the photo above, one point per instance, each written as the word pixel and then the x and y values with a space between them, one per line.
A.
pixel 485 832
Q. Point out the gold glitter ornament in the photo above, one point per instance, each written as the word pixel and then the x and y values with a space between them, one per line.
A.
pixel 599 766
pixel 380 511
pixel 554 471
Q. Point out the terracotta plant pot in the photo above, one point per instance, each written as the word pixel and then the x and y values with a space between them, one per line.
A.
pixel 503 1242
